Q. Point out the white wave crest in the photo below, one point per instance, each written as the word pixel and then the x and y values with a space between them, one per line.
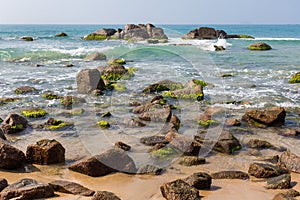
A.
pixel 81 51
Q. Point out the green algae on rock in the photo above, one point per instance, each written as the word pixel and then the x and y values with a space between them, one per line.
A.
pixel 261 46
pixel 54 124
pixel 103 124
pixel 117 61
pixel 50 96
pixel 295 78
pixel 94 36
pixel 163 153
pixel 34 113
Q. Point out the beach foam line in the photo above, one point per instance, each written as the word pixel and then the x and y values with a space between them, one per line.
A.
pixel 278 39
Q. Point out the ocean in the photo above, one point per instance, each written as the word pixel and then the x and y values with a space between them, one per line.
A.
pixel 257 77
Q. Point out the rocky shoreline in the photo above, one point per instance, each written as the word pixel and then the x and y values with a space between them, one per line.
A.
pixel 218 136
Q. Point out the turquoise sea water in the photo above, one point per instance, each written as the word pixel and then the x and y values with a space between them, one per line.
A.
pixel 260 78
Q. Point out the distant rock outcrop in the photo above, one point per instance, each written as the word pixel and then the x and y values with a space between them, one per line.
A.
pixel 130 32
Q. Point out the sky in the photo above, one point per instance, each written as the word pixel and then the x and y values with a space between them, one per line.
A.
pixel 152 11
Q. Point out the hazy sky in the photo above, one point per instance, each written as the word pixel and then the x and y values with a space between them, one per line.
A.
pixel 154 11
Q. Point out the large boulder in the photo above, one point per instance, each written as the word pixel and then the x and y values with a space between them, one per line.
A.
pixel 179 190
pixel 261 46
pixel 290 161
pixel 13 123
pixel 89 80
pixel 142 32
pixel 205 33
pixel 45 152
pixel 101 34
pixel 71 188
pixel 113 160
pixel 274 116
pixel 11 157
pixel 27 189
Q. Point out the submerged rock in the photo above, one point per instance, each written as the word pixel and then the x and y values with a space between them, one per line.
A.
pixel 25 89
pixel 68 101
pixel 27 189
pixel 89 80
pixel 45 152
pixel 62 34
pixel 104 195
pixel 274 116
pixel 153 140
pixel 290 161
pixel 179 190
pixel 113 160
pixel 11 157
pixel 95 56
pixel 255 143
pixel 149 169
pixel 71 188
pixel 261 46
pixel 13 123
pixel 122 146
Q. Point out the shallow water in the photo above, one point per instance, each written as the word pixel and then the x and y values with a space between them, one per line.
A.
pixel 258 77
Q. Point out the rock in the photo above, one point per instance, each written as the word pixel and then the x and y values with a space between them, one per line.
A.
pixel 149 169
pixel 11 157
pixel 157 114
pixel 101 34
pixel 164 85
pixel 230 175
pixel 179 190
pixel 142 32
pixel 274 116
pixel 68 101
pixel 113 160
pixel 232 122
pixel 182 143
pixel 34 113
pixel 27 189
pixel 122 146
pixel 51 96
pixel 219 48
pixel 240 36
pixel 113 72
pixel 89 80
pixel 191 160
pixel 104 195
pixel 146 107
pixel 45 152
pixel 153 140
pixel 279 182
pixel 134 122
pixel 24 90
pixel 281 196
pixel 95 56
pixel 295 78
pixel 27 38
pixel 290 133
pixel 200 181
pixel 2 136
pixel 261 46
pixel 3 184
pixel 54 124
pixel 292 193
pixel 227 143
pixel 62 34
pixel 261 144
pixel 71 188
pixel 205 33
pixel 290 161
pixel 263 170
pixel 13 123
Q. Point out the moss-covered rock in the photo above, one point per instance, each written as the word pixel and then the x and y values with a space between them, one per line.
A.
pixel 94 36
pixel 25 89
pixel 208 122
pixel 164 85
pixel 106 114
pixel 261 46
pixel 117 61
pixel 68 101
pixel 241 36
pixel 120 87
pixel 50 96
pixel 163 153
pixel 54 124
pixel 34 113
pixel 295 78
pixel 103 124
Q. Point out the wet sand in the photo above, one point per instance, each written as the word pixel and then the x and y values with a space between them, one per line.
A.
pixel 140 187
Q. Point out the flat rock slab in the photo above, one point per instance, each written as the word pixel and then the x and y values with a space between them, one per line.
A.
pixel 280 182
pixel 71 188
pixel 104 195
pixel 230 175
pixel 264 170
pixel 27 189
